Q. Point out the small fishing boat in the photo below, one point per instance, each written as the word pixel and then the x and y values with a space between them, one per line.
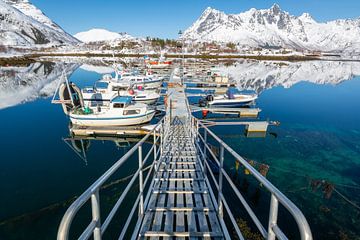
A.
pixel 104 90
pixel 120 112
pixel 230 99
pixel 137 80
pixel 161 63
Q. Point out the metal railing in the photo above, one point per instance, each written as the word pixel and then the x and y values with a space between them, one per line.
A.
pixel 273 230
pixel 160 134
pixel 96 227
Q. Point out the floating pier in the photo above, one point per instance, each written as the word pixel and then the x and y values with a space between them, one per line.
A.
pixel 175 193
pixel 110 131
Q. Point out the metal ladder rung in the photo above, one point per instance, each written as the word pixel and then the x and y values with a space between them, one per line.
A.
pixel 181 209
pixel 181 234
pixel 179 179
pixel 178 170
pixel 180 163
pixel 180 191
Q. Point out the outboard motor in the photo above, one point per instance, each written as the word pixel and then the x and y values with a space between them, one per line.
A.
pixel 76 97
pixel 209 98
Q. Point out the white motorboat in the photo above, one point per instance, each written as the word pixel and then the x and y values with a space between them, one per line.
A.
pixel 230 99
pixel 104 90
pixel 120 112
pixel 137 80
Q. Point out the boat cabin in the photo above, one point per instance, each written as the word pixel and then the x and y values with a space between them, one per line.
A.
pixel 120 101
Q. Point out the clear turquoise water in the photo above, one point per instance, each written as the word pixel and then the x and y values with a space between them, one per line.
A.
pixel 319 138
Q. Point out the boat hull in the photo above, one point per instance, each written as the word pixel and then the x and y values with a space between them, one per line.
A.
pixel 103 121
pixel 229 103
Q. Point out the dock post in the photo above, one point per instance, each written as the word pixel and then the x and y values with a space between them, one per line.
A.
pixel 141 187
pixel 220 204
pixel 95 209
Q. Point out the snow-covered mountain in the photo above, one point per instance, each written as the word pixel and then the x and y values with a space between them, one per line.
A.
pixel 275 28
pixel 262 75
pixel 97 35
pixel 22 24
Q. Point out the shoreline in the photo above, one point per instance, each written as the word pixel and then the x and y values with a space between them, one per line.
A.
pixel 31 58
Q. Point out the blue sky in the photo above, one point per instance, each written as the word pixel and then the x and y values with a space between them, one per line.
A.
pixel 165 18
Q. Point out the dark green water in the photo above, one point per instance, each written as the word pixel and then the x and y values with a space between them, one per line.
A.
pixel 319 138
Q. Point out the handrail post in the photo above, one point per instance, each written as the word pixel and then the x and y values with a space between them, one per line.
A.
pixel 274 205
pixel 162 139
pixel 220 204
pixel 141 187
pixel 205 143
pixel 95 208
pixel 154 145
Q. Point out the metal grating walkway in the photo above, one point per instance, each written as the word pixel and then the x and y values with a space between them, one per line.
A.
pixel 180 204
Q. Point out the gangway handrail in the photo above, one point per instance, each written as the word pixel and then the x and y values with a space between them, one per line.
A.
pixel 96 227
pixel 273 230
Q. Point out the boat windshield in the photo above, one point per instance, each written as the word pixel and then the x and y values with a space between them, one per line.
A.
pixel 101 85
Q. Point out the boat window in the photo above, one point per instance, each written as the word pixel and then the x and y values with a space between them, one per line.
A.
pixel 101 85
pixel 118 105
pixel 118 88
pixel 139 79
pixel 131 112
pixel 140 96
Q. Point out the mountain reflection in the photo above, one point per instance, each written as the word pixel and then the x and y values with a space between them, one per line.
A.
pixel 22 84
pixel 262 75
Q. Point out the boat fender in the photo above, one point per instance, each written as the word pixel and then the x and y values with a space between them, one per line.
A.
pixel 205 113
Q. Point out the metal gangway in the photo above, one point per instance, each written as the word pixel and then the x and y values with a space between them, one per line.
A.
pixel 178 194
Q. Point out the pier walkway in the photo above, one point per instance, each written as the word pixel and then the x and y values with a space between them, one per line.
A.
pixel 175 193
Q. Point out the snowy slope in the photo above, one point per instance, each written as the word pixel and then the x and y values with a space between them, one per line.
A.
pixel 274 27
pixel 96 35
pixel 23 24
pixel 262 75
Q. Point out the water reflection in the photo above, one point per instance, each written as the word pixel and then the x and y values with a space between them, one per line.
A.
pixel 23 84
pixel 262 75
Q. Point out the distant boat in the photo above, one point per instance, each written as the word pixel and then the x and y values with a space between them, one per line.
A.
pixel 120 112
pixel 161 63
pixel 230 99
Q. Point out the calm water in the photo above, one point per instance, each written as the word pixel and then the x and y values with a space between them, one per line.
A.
pixel 317 104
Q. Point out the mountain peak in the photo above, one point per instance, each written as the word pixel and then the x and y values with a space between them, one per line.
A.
pixel 275 8
pixel 306 17
pixel 208 11
pixel 274 28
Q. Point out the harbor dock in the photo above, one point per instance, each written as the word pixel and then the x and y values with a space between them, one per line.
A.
pixel 178 195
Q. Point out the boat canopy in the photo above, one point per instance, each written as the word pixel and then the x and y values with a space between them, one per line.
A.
pixel 122 99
